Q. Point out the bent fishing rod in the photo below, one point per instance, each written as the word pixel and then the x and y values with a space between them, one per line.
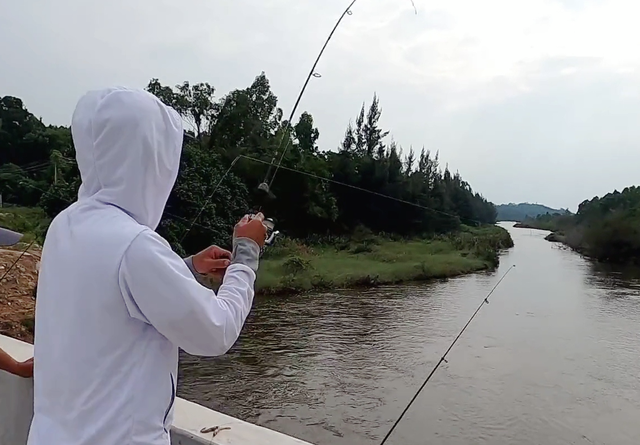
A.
pixel 264 188
pixel 265 185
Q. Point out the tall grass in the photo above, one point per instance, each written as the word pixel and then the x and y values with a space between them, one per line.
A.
pixel 367 260
pixel 361 259
pixel 31 222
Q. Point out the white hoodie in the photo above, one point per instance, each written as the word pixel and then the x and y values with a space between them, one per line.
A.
pixel 114 301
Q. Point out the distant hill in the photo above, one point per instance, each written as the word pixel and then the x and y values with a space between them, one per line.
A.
pixel 524 210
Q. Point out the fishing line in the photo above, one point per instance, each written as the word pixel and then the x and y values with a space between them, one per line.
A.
pixel 193 223
pixel 27 168
pixel 322 178
pixel 265 185
pixel 68 201
pixel 382 195
pixel 209 198
pixel 16 261
pixel 444 357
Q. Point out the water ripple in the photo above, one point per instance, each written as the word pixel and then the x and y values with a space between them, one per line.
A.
pixel 552 359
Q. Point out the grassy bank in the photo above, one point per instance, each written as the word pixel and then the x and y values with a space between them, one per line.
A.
pixel 369 260
pixel 32 222
pixel 362 259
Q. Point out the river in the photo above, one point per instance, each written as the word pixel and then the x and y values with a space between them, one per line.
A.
pixel 552 360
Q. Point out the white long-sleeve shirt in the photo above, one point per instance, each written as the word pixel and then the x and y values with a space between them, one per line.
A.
pixel 114 301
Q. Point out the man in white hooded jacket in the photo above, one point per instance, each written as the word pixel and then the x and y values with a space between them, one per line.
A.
pixel 114 301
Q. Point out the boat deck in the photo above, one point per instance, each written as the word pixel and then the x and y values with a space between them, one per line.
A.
pixel 16 411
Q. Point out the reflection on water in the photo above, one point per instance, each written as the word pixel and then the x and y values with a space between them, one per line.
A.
pixel 552 359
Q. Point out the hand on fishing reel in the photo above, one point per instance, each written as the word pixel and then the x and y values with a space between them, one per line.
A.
pixel 269 234
pixel 252 227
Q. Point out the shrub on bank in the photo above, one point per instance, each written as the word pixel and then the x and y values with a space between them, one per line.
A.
pixel 370 260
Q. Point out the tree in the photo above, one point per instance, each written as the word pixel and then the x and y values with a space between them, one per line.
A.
pixel 233 140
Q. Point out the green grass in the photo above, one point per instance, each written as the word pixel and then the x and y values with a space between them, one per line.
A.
pixel 32 222
pixel 360 260
pixel 292 267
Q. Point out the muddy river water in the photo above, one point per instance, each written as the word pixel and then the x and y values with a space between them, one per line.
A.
pixel 554 359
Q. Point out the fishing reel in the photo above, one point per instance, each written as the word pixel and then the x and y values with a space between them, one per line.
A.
pixel 271 233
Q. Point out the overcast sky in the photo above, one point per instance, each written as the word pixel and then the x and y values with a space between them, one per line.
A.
pixel 531 100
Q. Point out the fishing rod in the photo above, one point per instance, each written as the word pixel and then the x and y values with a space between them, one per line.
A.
pixel 265 185
pixel 264 188
pixel 444 356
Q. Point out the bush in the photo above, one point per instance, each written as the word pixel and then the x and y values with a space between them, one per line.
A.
pixel 295 265
pixel 32 222
pixel 362 248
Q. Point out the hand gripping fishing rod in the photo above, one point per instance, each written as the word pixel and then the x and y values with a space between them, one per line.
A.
pixel 444 356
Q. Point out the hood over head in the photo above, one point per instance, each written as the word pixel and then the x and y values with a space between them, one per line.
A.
pixel 128 146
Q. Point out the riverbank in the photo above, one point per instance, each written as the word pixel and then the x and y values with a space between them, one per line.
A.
pixel 538 351
pixel 604 228
pixel 562 233
pixel 363 260
pixel 523 225
pixel 613 239
pixel 17 288
pixel 293 267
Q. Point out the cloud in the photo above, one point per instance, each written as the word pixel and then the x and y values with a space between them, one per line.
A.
pixel 532 100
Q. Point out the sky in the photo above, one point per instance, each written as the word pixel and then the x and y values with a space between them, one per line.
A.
pixel 530 100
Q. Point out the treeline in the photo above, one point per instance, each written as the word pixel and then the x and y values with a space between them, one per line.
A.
pixel 37 168
pixel 524 210
pixel 606 228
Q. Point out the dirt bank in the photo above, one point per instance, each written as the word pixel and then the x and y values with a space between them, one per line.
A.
pixel 16 292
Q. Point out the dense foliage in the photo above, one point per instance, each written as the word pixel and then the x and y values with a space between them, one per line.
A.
pixel 524 210
pixel 606 228
pixel 37 168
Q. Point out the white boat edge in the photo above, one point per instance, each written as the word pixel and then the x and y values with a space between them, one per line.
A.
pixel 16 411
